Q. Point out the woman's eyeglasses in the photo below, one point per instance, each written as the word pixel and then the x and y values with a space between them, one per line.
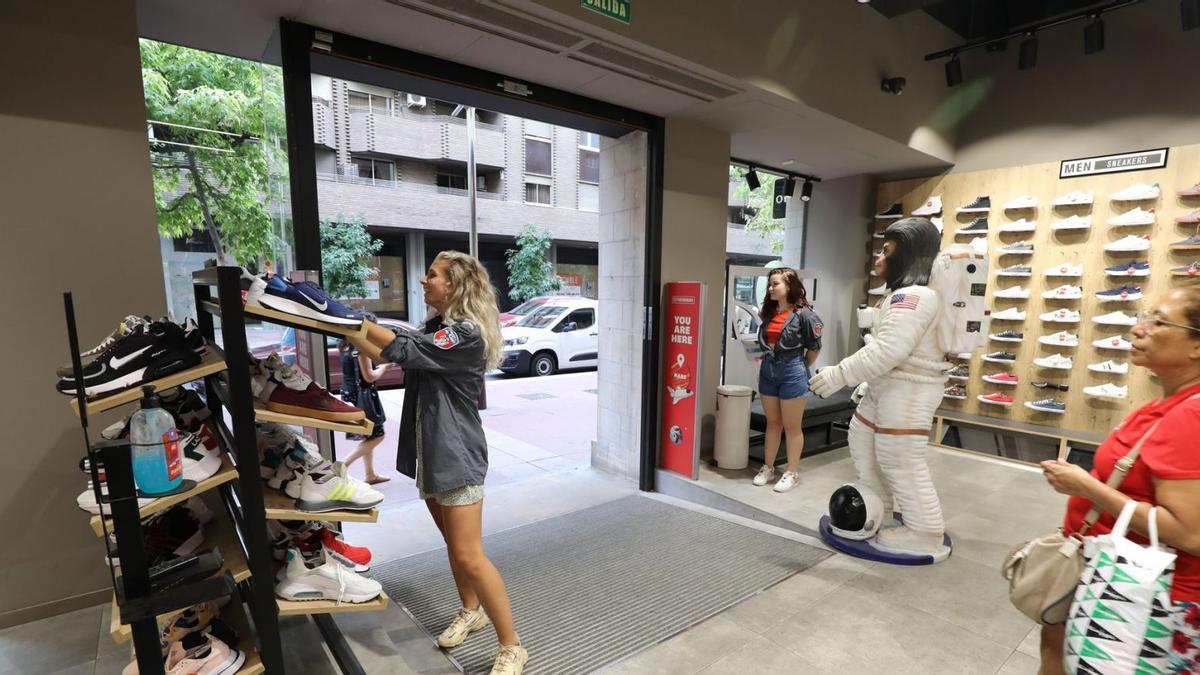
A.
pixel 1150 319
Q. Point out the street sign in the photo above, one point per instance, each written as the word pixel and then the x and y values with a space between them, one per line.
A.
pixel 613 9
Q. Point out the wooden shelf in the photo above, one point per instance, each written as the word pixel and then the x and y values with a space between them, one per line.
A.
pixel 279 506
pixel 293 608
pixel 1191 247
pixel 295 321
pixel 226 473
pixel 364 426
pixel 212 362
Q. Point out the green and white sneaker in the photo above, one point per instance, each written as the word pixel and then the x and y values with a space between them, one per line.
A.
pixel 466 622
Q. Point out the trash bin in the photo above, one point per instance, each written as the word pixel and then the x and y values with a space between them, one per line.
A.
pixel 733 426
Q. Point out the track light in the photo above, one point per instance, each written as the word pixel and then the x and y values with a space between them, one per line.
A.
pixel 752 179
pixel 1189 13
pixel 1028 54
pixel 806 191
pixel 789 186
pixel 1093 36
pixel 953 72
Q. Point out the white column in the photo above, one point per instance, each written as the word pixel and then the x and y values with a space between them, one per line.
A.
pixel 414 263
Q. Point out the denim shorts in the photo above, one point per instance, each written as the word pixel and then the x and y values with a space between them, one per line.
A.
pixel 785 378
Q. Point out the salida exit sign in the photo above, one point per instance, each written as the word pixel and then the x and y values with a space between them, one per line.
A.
pixel 613 9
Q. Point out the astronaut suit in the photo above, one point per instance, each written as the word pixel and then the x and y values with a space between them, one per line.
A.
pixel 904 369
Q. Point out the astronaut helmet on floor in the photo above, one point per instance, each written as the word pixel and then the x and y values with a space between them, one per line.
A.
pixel 855 512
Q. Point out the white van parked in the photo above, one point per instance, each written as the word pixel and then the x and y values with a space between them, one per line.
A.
pixel 559 335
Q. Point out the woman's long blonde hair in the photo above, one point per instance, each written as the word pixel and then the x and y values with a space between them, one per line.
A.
pixel 473 299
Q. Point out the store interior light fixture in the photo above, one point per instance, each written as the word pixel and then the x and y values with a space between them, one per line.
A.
pixel 789 186
pixel 953 71
pixel 752 179
pixel 1093 36
pixel 1027 57
pixel 1189 14
pixel 806 191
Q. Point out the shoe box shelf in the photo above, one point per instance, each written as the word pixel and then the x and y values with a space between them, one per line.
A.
pixel 295 608
pixel 279 506
pixel 212 362
pixel 1063 438
pixel 297 322
pixel 225 474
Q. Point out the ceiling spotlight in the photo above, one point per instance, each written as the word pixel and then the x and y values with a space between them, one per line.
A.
pixel 1189 13
pixel 1093 36
pixel 752 179
pixel 893 85
pixel 864 2
pixel 789 186
pixel 806 191
pixel 953 72
pixel 1027 58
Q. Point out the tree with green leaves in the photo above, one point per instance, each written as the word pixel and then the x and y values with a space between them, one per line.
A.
pixel 207 114
pixel 345 246
pixel 529 273
pixel 758 208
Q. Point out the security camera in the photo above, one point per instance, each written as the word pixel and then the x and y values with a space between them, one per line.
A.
pixel 893 85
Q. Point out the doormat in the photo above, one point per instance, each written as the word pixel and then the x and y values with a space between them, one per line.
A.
pixel 592 587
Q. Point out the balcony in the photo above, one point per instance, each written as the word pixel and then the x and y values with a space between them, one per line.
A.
pixel 423 136
pixel 323 123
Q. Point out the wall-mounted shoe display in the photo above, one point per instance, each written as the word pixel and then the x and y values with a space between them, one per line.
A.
pixel 1060 339
pixel 1074 198
pixel 1107 390
pixel 1022 202
pixel 982 204
pixel 1072 223
pixel 1061 316
pixel 977 226
pixel 998 398
pixel 1136 193
pixel 1064 292
pixel 1014 292
pixel 1115 342
pixel 1136 217
pixel 931 207
pixel 1121 294
pixel 1021 225
pixel 1129 269
pixel 1049 405
pixel 1133 242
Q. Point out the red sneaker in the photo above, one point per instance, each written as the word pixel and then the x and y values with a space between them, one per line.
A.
pixel 997 399
pixel 358 557
pixel 1193 191
pixel 1001 378
pixel 314 402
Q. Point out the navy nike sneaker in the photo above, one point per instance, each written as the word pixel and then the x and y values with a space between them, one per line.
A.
pixel 149 352
pixel 308 300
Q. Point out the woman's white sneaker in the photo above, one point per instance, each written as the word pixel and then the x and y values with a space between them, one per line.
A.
pixel 465 622
pixel 787 481
pixel 510 660
pixel 765 475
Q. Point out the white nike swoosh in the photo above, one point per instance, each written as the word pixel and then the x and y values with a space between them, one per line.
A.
pixel 319 305
pixel 118 362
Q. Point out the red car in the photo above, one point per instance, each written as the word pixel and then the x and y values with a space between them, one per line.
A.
pixel 511 318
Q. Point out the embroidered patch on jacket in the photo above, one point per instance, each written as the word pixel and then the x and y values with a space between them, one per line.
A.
pixel 446 338
pixel 817 328
pixel 905 300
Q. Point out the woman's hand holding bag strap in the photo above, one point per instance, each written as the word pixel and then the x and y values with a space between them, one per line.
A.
pixel 1043 572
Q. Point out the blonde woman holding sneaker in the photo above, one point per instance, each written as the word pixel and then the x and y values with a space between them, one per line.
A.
pixel 790 334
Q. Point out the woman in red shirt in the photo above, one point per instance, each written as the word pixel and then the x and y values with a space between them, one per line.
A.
pixel 1166 474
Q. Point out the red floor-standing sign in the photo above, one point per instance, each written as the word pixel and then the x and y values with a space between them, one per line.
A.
pixel 683 320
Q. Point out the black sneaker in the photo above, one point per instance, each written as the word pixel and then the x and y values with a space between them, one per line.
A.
pixel 977 226
pixel 980 205
pixel 1008 336
pixel 147 353
pixel 1051 385
pixel 1000 357
pixel 893 211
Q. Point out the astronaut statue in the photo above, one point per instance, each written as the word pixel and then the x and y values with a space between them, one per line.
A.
pixel 904 368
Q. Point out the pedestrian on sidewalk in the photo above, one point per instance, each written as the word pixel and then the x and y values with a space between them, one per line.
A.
pixel 359 376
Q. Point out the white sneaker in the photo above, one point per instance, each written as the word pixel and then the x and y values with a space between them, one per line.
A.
pixel 1116 319
pixel 1021 225
pixel 1107 390
pixel 1115 342
pixel 1010 314
pixel 1135 217
pixel 1074 198
pixel 881 289
pixel 327 580
pixel 1064 292
pixel 1131 243
pixel 787 481
pixel 1018 248
pixel 1022 202
pixel 931 207
pixel 765 475
pixel 1064 270
pixel 937 222
pixel 1109 366
pixel 1060 339
pixel 1015 292
pixel 1061 316
pixel 1015 271
pixel 336 490
pixel 467 621
pixel 1072 223
pixel 1136 192
pixel 1056 361
pixel 510 660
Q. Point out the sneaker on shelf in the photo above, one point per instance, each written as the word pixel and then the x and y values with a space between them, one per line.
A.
pixel 170 534
pixel 1133 242
pixel 1109 366
pixel 1190 270
pixel 124 328
pixel 787 481
pixel 931 207
pixel 1189 218
pixel 893 211
pixel 1136 217
pixel 1072 223
pixel 1107 390
pixel 1061 316
pixel 1129 269
pixel 1121 294
pixel 510 660
pixel 1060 339
pixel 1117 318
pixel 1015 271
pixel 288 390
pixel 1189 243
pixel 147 352
pixel 1013 292
pixel 194 619
pixel 334 490
pixel 1074 198
pixel 977 226
pixel 765 475
pixel 981 204
pixel 1135 193
pixel 186 406
pixel 1064 292
pixel 1051 385
pixel 1010 314
pixel 296 464
pixel 308 300
pixel 1021 225
pixel 960 372
pixel 1019 248
pixel 1193 191
pixel 1116 342
pixel 1001 378
pixel 1055 361
pixel 881 289
pixel 1022 202
pixel 1000 357
pixel 1047 405
pixel 203 654
pixel 467 621
pixel 878 235
pixel 998 398
pixel 356 557
pixel 324 579
pixel 955 392
pixel 1064 270
pixel 1007 336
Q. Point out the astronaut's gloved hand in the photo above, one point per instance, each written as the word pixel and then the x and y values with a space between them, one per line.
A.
pixel 868 339
pixel 859 392
pixel 827 381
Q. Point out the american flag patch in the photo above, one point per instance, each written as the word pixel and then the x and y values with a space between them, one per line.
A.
pixel 905 301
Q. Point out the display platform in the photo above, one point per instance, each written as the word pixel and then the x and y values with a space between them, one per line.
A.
pixel 867 551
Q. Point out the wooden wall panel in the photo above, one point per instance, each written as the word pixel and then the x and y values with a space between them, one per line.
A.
pixel 1084 413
